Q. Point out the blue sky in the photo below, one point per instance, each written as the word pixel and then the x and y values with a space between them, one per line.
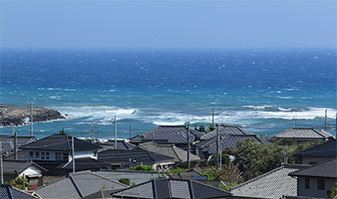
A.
pixel 168 24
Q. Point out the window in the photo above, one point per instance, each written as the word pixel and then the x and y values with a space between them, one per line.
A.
pixel 58 156
pixel 313 163
pixel 47 155
pixel 42 155
pixel 37 154
pixel 31 154
pixel 321 184
pixel 307 183
pixel 65 156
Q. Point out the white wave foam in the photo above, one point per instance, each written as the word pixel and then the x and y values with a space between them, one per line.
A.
pixel 283 97
pixel 284 109
pixel 257 107
pixel 101 114
pixel 238 117
pixel 55 97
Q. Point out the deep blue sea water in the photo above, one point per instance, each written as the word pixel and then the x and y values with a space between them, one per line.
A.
pixel 263 89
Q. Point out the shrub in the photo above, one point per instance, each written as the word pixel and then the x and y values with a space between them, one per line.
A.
pixel 142 168
pixel 125 181
pixel 18 182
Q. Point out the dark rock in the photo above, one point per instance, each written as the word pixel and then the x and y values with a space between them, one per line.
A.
pixel 11 115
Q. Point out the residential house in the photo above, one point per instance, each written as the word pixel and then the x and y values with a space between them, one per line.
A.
pixel 32 171
pixel 319 153
pixel 7 143
pixel 171 188
pixel 273 184
pixel 302 135
pixel 176 135
pixel 178 154
pixel 83 164
pixel 229 136
pixel 128 158
pixel 77 185
pixel 10 192
pixel 318 180
pixel 121 144
pixel 136 177
pixel 57 147
pixel 55 151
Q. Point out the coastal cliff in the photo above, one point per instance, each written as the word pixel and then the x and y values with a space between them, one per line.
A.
pixel 11 115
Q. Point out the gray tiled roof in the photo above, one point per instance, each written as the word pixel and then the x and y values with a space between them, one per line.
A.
pixel 226 130
pixel 306 133
pixel 209 145
pixel 136 154
pixel 326 169
pixel 136 177
pixel 172 188
pixel 9 192
pixel 16 166
pixel 273 184
pixel 59 142
pixel 169 134
pixel 121 144
pixel 326 149
pixel 8 141
pixel 77 185
pixel 85 164
pixel 170 150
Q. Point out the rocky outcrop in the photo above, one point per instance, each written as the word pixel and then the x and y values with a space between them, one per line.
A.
pixel 11 115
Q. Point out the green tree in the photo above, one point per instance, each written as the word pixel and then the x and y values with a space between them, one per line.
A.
pixel 202 128
pixel 229 173
pixel 62 132
pixel 254 158
pixel 333 192
pixel 211 127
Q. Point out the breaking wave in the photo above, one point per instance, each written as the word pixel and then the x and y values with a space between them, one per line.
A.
pixel 101 114
pixel 237 117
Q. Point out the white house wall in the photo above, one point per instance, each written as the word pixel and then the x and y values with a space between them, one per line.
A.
pixel 31 171
pixel 83 154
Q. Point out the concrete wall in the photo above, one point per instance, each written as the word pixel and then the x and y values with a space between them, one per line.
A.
pixel 313 191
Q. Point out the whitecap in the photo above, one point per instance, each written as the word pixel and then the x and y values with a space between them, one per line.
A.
pixel 101 114
pixel 284 97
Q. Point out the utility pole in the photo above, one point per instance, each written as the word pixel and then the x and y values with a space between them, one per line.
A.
pixel 152 137
pixel 217 147
pixel 286 155
pixel 115 145
pixel 31 118
pixel 92 132
pixel 294 124
pixel 1 165
pixel 220 152
pixel 188 146
pixel 336 126
pixel 130 131
pixel 326 120
pixel 15 146
pixel 73 152
pixel 212 116
pixel 23 182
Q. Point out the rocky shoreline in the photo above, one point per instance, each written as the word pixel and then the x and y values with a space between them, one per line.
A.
pixel 11 115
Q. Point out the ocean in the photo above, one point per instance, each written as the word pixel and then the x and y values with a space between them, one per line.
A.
pixel 266 91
